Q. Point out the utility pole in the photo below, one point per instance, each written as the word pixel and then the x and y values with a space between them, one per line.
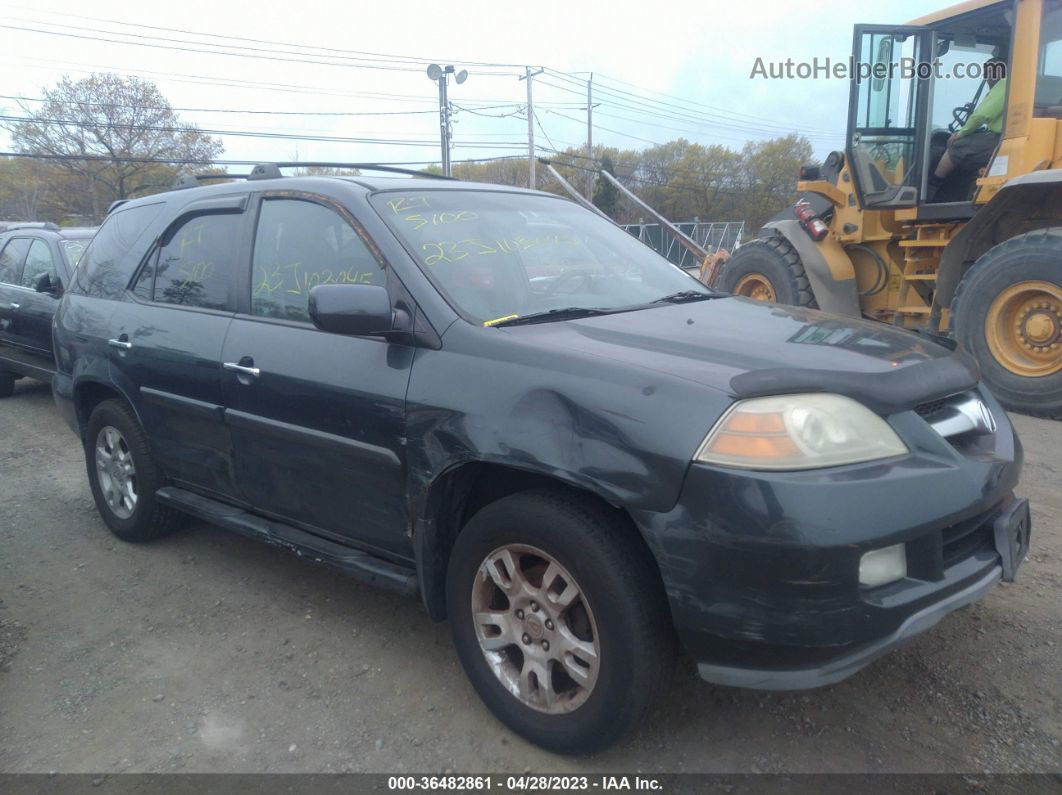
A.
pixel 590 136
pixel 530 127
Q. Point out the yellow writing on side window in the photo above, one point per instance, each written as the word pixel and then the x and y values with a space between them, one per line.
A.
pixel 293 279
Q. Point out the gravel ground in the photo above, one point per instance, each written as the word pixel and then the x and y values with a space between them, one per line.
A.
pixel 206 652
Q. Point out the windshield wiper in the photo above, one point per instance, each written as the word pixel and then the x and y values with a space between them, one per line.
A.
pixel 567 313
pixel 685 296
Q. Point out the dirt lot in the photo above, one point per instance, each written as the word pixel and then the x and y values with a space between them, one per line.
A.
pixel 208 652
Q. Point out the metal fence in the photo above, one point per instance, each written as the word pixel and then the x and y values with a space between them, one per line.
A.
pixel 710 235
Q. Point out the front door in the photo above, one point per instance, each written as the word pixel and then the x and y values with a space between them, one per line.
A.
pixel 31 323
pixel 317 419
pixel 887 124
pixel 166 339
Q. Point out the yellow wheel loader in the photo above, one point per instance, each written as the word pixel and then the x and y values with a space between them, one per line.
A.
pixel 974 254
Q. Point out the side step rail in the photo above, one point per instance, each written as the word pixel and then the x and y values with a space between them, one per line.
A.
pixel 361 565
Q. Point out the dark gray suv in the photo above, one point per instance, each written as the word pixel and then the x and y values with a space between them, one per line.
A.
pixel 578 454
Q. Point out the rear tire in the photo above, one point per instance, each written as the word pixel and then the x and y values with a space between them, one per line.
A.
pixel 7 384
pixel 768 269
pixel 1007 312
pixel 618 608
pixel 123 476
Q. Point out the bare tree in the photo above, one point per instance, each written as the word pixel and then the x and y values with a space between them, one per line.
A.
pixel 124 120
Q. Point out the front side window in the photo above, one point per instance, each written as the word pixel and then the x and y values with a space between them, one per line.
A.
pixel 195 264
pixel 11 260
pixel 495 254
pixel 298 245
pixel 38 263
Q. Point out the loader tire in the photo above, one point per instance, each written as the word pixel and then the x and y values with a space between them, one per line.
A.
pixel 1007 312
pixel 768 269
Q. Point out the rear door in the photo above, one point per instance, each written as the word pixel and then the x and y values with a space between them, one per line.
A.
pixel 166 340
pixel 12 255
pixel 317 419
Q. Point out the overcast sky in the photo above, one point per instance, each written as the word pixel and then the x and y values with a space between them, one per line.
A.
pixel 662 70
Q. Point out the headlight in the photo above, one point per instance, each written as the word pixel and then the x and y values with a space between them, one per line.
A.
pixel 799 432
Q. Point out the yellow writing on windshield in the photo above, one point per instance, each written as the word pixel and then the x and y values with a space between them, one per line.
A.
pixel 457 250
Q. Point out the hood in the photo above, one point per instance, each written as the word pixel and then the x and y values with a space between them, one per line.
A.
pixel 748 348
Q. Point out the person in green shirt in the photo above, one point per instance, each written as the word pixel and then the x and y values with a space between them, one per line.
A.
pixel 971 147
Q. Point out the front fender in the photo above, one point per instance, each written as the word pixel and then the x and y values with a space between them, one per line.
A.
pixel 828 267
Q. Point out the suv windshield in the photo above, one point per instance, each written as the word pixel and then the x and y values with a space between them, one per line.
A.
pixel 498 255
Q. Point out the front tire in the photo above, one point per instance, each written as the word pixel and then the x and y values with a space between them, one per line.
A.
pixel 559 619
pixel 7 384
pixel 1008 313
pixel 768 269
pixel 123 476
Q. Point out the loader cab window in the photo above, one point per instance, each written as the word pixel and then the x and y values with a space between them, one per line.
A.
pixel 965 87
pixel 887 102
pixel 1049 64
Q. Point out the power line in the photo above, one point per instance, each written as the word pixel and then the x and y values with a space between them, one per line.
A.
pixel 760 121
pixel 232 110
pixel 637 106
pixel 195 162
pixel 156 45
pixel 250 133
pixel 379 56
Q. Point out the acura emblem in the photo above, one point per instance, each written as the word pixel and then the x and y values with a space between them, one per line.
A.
pixel 986 421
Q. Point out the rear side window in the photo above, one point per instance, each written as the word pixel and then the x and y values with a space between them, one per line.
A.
pixel 195 266
pixel 38 263
pixel 11 260
pixel 109 262
pixel 299 245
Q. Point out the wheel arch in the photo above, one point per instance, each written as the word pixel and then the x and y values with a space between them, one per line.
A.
pixel 89 393
pixel 1024 204
pixel 454 495
pixel 828 267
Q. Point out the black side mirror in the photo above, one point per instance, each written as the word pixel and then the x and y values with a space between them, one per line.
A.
pixel 44 284
pixel 356 309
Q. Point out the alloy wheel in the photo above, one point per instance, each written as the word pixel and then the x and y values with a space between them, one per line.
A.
pixel 536 628
pixel 116 472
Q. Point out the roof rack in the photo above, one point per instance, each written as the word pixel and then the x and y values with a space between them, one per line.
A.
pixel 49 225
pixel 193 180
pixel 272 170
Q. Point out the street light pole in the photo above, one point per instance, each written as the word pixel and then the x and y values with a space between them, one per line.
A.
pixel 444 125
pixel 441 74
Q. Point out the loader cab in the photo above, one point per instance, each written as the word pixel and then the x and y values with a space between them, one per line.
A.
pixel 914 85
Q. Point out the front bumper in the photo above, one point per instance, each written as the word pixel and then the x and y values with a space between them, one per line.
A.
pixel 842 667
pixel 761 568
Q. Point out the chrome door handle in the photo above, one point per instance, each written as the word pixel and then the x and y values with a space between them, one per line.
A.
pixel 14 305
pixel 122 344
pixel 239 368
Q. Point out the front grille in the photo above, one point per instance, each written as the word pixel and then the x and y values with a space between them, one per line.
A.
pixel 927 410
pixel 963 539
